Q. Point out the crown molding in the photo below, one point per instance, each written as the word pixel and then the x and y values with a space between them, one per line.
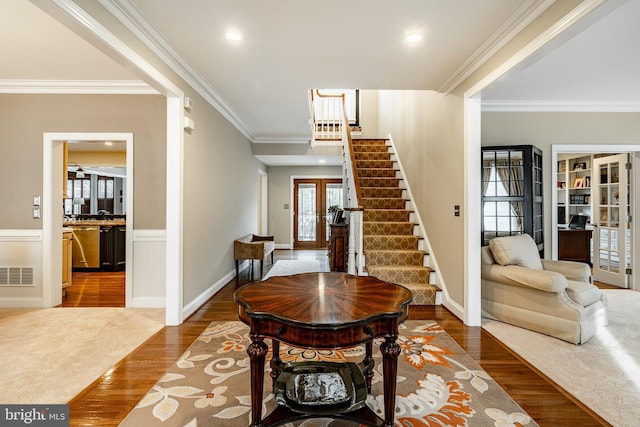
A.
pixel 133 19
pixel 518 20
pixel 69 87
pixel 283 140
pixel 559 107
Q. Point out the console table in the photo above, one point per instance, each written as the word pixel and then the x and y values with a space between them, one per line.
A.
pixel 323 311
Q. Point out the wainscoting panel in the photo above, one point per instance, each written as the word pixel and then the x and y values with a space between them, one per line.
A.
pixel 21 250
pixel 149 276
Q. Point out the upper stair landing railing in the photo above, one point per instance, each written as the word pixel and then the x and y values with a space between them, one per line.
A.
pixel 331 127
pixel 327 116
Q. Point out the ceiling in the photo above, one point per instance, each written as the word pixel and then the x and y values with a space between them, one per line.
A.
pixel 289 46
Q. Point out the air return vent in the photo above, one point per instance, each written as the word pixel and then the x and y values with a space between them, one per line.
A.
pixel 16 276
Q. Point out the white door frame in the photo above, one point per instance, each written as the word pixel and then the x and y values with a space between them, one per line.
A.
pixel 634 150
pixel 52 213
pixel 263 206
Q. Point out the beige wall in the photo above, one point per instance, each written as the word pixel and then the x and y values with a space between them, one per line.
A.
pixel 98 158
pixel 547 129
pixel 220 197
pixel 24 119
pixel 280 195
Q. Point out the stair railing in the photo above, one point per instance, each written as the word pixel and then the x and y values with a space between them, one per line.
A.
pixel 330 123
pixel 354 207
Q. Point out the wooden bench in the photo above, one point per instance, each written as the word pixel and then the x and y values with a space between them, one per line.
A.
pixel 253 247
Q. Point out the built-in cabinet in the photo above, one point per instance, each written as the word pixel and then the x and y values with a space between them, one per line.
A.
pixel 338 246
pixel 67 255
pixel 512 193
pixel 574 187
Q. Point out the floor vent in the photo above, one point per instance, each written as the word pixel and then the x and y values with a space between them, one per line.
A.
pixel 16 276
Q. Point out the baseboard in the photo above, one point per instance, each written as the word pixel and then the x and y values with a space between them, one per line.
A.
pixel 201 299
pixel 147 302
pixel 21 302
pixel 283 246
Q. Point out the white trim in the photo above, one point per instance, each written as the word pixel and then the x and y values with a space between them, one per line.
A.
pixel 472 147
pixel 74 87
pixel 201 299
pixel 175 138
pixel 131 17
pixel 174 212
pixel 574 16
pixel 285 140
pixel 51 200
pixel 19 235
pixel 517 21
pixel 634 149
pixel 21 302
pixel 149 235
pixel 559 106
pixel 472 217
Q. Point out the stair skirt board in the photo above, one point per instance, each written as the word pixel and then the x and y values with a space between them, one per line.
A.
pixel 392 251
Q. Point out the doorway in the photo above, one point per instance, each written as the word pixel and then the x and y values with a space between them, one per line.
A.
pixel 612 243
pixel 53 154
pixel 312 198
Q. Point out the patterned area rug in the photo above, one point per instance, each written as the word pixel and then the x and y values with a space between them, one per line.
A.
pixel 603 373
pixel 438 384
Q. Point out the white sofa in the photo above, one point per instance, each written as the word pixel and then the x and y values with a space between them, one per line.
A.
pixel 555 298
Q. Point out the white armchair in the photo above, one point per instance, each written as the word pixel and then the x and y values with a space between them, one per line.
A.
pixel 555 298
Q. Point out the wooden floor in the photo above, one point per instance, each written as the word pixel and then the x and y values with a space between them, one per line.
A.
pixel 108 400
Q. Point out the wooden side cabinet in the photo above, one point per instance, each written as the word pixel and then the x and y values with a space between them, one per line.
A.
pixel 67 254
pixel 574 245
pixel 338 247
pixel 112 248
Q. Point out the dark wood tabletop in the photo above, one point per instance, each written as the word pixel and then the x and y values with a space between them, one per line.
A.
pixel 322 299
pixel 323 310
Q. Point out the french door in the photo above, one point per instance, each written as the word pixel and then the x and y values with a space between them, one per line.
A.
pixel 312 199
pixel 612 229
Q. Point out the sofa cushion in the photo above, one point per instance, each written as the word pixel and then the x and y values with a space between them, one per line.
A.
pixel 516 250
pixel 583 293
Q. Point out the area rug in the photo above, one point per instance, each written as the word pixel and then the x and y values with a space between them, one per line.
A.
pixel 48 356
pixel 438 384
pixel 603 373
pixel 287 267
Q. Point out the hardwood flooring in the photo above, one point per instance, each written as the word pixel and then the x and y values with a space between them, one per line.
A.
pixel 108 400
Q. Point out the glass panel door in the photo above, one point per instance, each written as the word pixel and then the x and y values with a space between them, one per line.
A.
pixel 311 202
pixel 611 213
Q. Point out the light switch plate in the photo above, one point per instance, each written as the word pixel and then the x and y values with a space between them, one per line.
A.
pixel 36 200
pixel 36 213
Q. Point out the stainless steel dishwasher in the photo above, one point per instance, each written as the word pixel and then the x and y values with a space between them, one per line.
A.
pixel 86 247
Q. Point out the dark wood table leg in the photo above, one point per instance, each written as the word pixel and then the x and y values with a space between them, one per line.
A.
pixel 257 352
pixel 390 351
pixel 276 363
pixel 368 364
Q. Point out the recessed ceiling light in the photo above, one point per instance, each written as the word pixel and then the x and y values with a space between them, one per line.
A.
pixel 322 161
pixel 233 36
pixel 414 38
pixel 108 143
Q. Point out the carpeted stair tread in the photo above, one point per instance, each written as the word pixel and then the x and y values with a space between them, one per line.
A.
pixel 402 275
pixel 378 164
pixel 423 293
pixel 394 257
pixel 381 192
pixel 383 203
pixel 376 172
pixel 372 155
pixel 390 215
pixel 390 242
pixel 387 227
pixel 379 182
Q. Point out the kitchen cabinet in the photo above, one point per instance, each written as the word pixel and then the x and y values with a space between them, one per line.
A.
pixel 67 256
pixel 112 248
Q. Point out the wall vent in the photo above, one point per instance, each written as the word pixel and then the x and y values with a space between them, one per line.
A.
pixel 16 276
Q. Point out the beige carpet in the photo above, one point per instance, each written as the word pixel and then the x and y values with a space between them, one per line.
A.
pixel 603 373
pixel 438 383
pixel 287 267
pixel 50 355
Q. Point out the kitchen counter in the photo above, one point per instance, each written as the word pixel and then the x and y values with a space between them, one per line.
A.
pixel 95 222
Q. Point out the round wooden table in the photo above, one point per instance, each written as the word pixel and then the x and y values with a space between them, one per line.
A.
pixel 323 311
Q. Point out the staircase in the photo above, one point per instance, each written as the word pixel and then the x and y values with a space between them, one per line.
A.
pixel 393 252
